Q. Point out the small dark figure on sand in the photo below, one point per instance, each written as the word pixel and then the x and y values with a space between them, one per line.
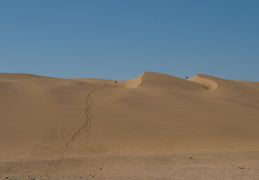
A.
pixel 186 77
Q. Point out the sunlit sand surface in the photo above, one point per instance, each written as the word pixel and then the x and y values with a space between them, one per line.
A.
pixel 154 126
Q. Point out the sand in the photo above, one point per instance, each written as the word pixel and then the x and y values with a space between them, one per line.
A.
pixel 155 126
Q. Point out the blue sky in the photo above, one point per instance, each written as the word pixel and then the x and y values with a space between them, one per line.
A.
pixel 120 39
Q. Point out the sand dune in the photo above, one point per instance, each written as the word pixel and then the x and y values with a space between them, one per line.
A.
pixel 205 81
pixel 46 118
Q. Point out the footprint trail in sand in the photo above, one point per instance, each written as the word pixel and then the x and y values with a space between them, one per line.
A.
pixel 87 124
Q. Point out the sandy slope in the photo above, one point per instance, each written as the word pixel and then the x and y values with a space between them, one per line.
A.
pixel 45 118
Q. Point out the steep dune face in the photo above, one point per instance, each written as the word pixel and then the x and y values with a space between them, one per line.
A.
pixel 133 83
pixel 242 92
pixel 153 113
pixel 167 82
pixel 205 82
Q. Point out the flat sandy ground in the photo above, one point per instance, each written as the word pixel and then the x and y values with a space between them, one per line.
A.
pixel 228 165
pixel 154 126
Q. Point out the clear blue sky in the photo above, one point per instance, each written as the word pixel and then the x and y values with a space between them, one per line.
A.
pixel 120 39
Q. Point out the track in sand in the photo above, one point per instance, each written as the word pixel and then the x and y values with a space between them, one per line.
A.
pixel 87 123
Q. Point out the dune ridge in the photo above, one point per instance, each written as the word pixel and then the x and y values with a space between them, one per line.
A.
pixel 17 76
pixel 132 83
pixel 205 81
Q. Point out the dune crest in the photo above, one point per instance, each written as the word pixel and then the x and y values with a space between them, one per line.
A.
pixel 18 76
pixel 205 81
pixel 148 79
pixel 132 83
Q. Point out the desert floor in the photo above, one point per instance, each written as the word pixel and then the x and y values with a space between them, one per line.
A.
pixel 228 165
